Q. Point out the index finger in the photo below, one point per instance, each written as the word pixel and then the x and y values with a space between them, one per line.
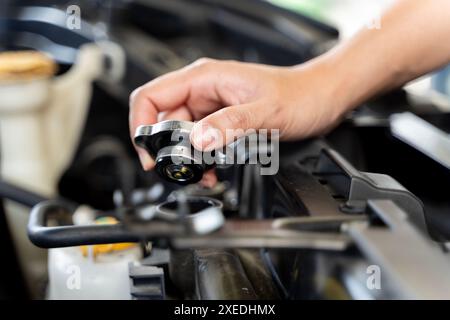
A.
pixel 167 92
pixel 164 93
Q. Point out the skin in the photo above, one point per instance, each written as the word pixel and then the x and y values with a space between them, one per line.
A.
pixel 301 101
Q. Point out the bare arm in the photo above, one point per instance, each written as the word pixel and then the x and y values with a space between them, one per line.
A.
pixel 302 100
pixel 413 40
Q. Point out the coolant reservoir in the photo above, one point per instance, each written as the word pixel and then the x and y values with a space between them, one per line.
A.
pixel 41 117
pixel 97 272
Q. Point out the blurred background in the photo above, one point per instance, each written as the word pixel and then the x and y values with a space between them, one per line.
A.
pixel 64 113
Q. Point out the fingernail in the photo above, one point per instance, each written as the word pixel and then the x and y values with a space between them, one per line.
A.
pixel 204 137
pixel 146 160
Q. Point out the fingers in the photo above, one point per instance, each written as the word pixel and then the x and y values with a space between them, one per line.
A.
pixel 146 161
pixel 226 125
pixel 162 94
pixel 209 179
pixel 170 94
pixel 181 113
pixel 173 90
pixel 148 101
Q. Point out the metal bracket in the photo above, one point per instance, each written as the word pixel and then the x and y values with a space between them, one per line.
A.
pixel 357 186
pixel 402 253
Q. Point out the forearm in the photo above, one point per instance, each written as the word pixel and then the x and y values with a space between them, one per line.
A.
pixel 305 100
pixel 414 39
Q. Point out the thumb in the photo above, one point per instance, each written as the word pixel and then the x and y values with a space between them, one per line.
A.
pixel 225 125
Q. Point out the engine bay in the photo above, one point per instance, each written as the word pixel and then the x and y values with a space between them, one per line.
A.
pixel 370 195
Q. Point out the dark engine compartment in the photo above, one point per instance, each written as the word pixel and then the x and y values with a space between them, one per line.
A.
pixel 322 178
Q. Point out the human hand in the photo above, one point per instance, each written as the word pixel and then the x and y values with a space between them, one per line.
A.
pixel 234 95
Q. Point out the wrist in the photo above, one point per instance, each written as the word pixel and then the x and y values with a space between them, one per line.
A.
pixel 326 81
pixel 358 70
pixel 344 88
